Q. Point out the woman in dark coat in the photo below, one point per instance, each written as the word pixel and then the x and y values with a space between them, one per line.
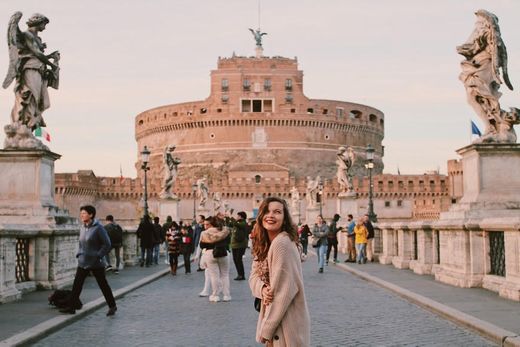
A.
pixel 146 233
pixel 186 246
pixel 173 237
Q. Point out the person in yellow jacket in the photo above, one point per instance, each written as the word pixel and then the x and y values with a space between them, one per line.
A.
pixel 361 233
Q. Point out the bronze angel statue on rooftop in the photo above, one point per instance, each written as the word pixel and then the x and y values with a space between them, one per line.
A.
pixel 33 72
pixel 258 36
pixel 486 56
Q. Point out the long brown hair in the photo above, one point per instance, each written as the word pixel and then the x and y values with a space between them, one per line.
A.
pixel 261 241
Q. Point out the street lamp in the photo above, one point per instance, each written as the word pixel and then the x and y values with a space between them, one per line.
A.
pixel 194 191
pixel 145 158
pixel 370 165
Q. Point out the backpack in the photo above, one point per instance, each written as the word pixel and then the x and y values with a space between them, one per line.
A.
pixel 60 299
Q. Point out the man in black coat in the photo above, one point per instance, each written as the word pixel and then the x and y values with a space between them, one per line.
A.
pixel 145 233
pixel 115 232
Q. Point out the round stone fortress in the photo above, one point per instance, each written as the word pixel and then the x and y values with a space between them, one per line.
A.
pixel 258 114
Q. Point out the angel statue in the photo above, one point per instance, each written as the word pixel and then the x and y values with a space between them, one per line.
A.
pixel 217 202
pixel 312 191
pixel 258 36
pixel 33 72
pixel 202 191
pixel 170 172
pixel 485 55
pixel 345 159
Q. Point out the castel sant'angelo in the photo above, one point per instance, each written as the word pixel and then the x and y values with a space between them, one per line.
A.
pixel 257 134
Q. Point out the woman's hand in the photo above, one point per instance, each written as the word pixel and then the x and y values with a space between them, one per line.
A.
pixel 264 340
pixel 267 295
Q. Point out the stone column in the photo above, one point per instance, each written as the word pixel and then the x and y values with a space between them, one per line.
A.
pixel 8 290
pixel 389 239
pixel 405 248
pixel 425 250
pixel 131 249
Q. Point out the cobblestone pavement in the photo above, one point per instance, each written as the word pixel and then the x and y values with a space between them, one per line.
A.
pixel 345 311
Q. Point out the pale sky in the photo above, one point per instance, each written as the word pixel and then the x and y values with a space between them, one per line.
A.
pixel 122 57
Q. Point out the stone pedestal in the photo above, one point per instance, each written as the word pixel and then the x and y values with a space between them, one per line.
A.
pixel 311 214
pixel 491 203
pixel 405 247
pixel 38 241
pixel 347 204
pixel 169 207
pixel 131 248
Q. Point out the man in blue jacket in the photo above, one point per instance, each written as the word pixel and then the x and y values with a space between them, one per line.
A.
pixel 94 244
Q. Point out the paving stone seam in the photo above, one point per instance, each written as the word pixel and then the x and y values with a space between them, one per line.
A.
pixel 49 326
pixel 502 336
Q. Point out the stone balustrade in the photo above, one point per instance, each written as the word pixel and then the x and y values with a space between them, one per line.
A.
pixel 480 253
pixel 45 258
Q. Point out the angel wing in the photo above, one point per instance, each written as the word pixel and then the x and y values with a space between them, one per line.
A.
pixel 13 42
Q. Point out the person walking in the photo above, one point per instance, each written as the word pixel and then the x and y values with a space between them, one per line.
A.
pixel 145 232
pixel 174 239
pixel 321 230
pixel 157 240
pixel 186 246
pixel 215 239
pixel 361 233
pixel 239 241
pixel 304 238
pixel 351 244
pixel 115 233
pixel 197 231
pixel 94 245
pixel 165 227
pixel 332 238
pixel 276 278
pixel 370 238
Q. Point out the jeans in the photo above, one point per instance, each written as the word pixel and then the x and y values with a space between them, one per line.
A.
pixel 322 250
pixel 305 245
pixel 360 247
pixel 148 259
pixel 156 249
pixel 117 251
pixel 101 280
pixel 237 259
pixel 332 243
pixel 187 262
pixel 370 249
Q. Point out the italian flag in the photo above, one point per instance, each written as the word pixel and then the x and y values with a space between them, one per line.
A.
pixel 39 132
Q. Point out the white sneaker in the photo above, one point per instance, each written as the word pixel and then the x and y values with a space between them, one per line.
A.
pixel 226 298
pixel 203 294
pixel 214 298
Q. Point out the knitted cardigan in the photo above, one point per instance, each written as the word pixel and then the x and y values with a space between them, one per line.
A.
pixel 286 320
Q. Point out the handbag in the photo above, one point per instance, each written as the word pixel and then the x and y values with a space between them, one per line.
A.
pixel 315 241
pixel 258 304
pixel 219 252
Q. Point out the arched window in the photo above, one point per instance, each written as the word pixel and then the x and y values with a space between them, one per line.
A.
pixel 258 178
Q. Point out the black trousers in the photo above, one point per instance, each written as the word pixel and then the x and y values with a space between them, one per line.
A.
pixel 101 280
pixel 332 243
pixel 237 259
pixel 187 261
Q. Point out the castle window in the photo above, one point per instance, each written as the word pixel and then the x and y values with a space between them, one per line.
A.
pixel 246 105
pixel 258 178
pixel 141 122
pixel 219 110
pixel 310 110
pixel 246 84
pixel 288 84
pixel 289 98
pixel 372 118
pixel 325 111
pixel 355 114
pixel 340 111
pixel 387 203
pixel 382 122
pixel 257 105
pixel 203 110
pixel 225 98
pixel 293 110
pixel 399 203
pixel 212 136
pixel 267 84
pixel 224 85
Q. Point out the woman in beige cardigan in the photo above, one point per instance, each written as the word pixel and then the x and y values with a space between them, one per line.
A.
pixel 276 277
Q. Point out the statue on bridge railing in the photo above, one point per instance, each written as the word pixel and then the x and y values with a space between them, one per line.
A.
pixel 33 72
pixel 345 160
pixel 312 191
pixel 170 172
pixel 486 54
pixel 202 191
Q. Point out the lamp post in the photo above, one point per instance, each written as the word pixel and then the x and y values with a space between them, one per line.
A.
pixel 145 158
pixel 320 196
pixel 194 191
pixel 370 165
